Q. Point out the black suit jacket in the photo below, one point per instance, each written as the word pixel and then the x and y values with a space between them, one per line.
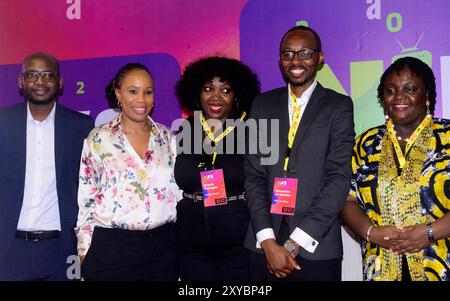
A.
pixel 70 130
pixel 320 159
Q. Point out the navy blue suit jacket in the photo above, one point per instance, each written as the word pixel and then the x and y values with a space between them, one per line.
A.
pixel 70 130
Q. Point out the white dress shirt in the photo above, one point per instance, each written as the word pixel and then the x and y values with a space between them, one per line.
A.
pixel 40 209
pixel 299 236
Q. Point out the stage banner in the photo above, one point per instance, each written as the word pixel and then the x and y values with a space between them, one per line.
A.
pixel 360 39
pixel 85 82
pixel 93 38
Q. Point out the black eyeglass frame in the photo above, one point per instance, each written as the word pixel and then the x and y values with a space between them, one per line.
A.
pixel 33 76
pixel 299 53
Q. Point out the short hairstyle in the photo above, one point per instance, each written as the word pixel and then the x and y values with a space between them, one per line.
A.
pixel 242 80
pixel 420 69
pixel 304 28
pixel 42 55
pixel 116 81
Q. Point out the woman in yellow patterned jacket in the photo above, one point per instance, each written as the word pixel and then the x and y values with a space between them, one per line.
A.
pixel 400 198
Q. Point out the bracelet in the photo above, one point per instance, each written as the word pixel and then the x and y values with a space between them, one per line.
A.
pixel 430 233
pixel 368 233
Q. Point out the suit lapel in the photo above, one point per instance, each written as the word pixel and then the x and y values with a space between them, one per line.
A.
pixel 60 134
pixel 21 144
pixel 311 111
pixel 281 110
pixel 282 114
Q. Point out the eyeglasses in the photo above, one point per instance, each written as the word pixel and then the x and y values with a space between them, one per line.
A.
pixel 304 54
pixel 33 76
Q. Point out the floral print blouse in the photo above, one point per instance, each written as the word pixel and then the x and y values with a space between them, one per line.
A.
pixel 119 189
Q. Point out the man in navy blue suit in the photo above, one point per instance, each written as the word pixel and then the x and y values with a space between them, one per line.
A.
pixel 39 163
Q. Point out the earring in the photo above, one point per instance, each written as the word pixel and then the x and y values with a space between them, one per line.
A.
pixel 428 109
pixel 119 104
pixel 386 117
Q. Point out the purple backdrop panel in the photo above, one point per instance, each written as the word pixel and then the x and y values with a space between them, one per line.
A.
pixel 351 31
pixel 85 82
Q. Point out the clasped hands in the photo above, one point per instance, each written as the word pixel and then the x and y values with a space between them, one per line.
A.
pixel 280 262
pixel 401 240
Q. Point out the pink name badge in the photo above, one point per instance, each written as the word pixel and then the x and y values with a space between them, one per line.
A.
pixel 213 186
pixel 284 196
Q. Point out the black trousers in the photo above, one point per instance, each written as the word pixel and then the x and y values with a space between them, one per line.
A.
pixel 311 270
pixel 210 241
pixel 117 254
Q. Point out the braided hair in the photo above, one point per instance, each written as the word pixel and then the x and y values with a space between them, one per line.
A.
pixel 115 83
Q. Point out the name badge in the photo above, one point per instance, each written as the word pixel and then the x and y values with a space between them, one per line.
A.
pixel 284 196
pixel 213 186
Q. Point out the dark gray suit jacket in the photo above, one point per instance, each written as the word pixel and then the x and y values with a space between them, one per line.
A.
pixel 320 159
pixel 70 130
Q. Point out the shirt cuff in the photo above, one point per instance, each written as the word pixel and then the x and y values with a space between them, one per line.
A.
pixel 304 240
pixel 262 235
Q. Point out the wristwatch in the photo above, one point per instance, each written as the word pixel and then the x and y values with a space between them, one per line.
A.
pixel 292 247
pixel 430 233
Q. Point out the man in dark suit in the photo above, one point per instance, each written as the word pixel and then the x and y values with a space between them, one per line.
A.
pixel 316 134
pixel 39 163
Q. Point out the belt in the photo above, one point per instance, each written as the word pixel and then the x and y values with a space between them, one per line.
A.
pixel 198 196
pixel 37 235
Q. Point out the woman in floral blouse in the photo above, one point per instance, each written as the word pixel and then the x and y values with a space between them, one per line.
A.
pixel 127 194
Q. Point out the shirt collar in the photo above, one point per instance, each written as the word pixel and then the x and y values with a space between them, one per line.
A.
pixel 116 124
pixel 50 117
pixel 303 100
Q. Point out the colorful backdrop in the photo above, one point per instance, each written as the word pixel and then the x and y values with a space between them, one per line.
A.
pixel 93 38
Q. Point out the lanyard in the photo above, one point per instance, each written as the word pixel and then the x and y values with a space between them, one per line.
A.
pixel 210 134
pixel 293 128
pixel 410 142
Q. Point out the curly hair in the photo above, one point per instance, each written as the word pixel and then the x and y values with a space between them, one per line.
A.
pixel 417 67
pixel 116 81
pixel 241 78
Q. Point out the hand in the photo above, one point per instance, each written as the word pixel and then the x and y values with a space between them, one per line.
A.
pixel 412 239
pixel 385 236
pixel 280 262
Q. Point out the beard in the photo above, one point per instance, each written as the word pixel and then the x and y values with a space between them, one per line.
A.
pixel 40 102
pixel 300 82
